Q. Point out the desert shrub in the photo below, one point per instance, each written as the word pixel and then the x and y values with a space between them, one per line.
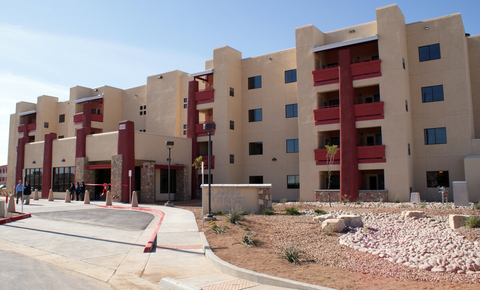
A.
pixel 292 211
pixel 301 200
pixel 293 254
pixel 219 212
pixel 234 216
pixel 246 228
pixel 283 200
pixel 268 212
pixel 249 240
pixel 329 230
pixel 476 206
pixel 397 200
pixel 365 229
pixel 379 204
pixel 344 200
pixel 358 202
pixel 320 211
pixel 423 204
pixel 472 222
pixel 216 229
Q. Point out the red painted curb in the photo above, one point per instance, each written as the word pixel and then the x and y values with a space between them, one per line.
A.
pixel 15 218
pixel 149 247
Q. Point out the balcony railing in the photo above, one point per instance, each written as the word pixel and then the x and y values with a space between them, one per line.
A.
pixel 78 118
pixel 365 154
pixel 368 111
pixel 205 96
pixel 200 131
pixel 360 70
pixel 205 161
pixel 326 115
pixel 30 127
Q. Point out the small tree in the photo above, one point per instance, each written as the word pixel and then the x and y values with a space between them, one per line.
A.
pixel 331 151
pixel 197 164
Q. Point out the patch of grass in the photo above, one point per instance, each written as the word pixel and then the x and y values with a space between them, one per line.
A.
pixel 358 202
pixel 328 230
pixel 234 216
pixel 249 240
pixel 246 228
pixel 472 222
pixel 216 229
pixel 283 201
pixel 268 212
pixel 423 204
pixel 292 211
pixel 403 205
pixel 293 254
pixel 397 200
pixel 320 211
pixel 219 212
pixel 345 200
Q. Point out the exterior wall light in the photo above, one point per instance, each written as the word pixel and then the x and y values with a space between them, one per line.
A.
pixel 352 31
pixel 63 160
pixel 160 77
pixel 426 27
pixel 274 159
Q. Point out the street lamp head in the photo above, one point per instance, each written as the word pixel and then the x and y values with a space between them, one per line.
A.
pixel 209 126
pixel 169 144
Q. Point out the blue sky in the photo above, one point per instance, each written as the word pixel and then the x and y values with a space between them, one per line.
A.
pixel 48 46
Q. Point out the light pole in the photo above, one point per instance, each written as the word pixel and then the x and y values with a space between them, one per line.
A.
pixel 209 127
pixel 130 184
pixel 169 145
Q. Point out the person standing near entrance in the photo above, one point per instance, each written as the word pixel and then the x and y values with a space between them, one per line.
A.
pixel 72 191
pixel 19 190
pixel 82 191
pixel 77 190
pixel 26 192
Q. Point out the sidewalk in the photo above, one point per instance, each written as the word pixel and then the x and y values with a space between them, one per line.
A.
pixel 109 244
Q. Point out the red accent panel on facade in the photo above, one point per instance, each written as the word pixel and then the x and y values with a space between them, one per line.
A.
pixel 87 115
pixel 325 114
pixel 81 142
pixel 326 74
pixel 321 156
pixel 192 120
pixel 369 109
pixel 361 77
pixel 30 127
pixel 78 118
pixel 317 84
pixel 205 161
pixel 97 118
pixel 368 118
pixel 327 122
pixel 47 163
pixel 366 68
pixel 205 96
pixel 372 160
pixel 126 147
pixel 201 132
pixel 349 174
pixel 326 163
pixel 371 152
pixel 172 167
pixel 99 166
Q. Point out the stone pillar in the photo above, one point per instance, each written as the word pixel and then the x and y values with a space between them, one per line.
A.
pixel 182 179
pixel 349 174
pixel 84 174
pixel 147 182
pixel 116 176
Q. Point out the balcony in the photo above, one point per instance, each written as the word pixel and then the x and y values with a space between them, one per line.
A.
pixel 200 131
pixel 78 118
pixel 365 154
pixel 205 96
pixel 326 115
pixel 205 161
pixel 321 157
pixel 360 70
pixel 369 111
pixel 31 127
pixel 371 154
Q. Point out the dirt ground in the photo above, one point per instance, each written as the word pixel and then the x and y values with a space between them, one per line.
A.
pixel 328 263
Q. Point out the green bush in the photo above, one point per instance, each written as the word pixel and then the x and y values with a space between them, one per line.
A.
pixel 472 222
pixel 268 212
pixel 234 216
pixel 249 240
pixel 423 204
pixel 216 229
pixel 320 211
pixel 293 254
pixel 476 206
pixel 397 200
pixel 246 228
pixel 283 200
pixel 292 211
pixel 217 212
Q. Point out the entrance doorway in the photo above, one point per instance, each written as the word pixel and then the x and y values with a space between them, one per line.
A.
pixel 101 176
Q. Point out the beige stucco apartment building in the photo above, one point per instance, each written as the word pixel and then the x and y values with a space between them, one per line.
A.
pixel 400 100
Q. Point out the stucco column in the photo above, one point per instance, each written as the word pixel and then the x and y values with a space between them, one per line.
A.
pixel 82 133
pixel 349 174
pixel 126 147
pixel 192 120
pixel 47 163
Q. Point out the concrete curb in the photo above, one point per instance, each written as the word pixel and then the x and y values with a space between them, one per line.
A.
pixel 249 275
pixel 15 218
pixel 172 284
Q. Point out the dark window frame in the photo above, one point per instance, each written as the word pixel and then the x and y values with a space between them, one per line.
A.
pixel 255 82
pixel 291 111
pixel 429 52
pixel 255 148
pixel 232 125
pixel 292 146
pixel 434 136
pixel 255 115
pixel 296 181
pixel 232 159
pixel 432 94
pixel 255 179
pixel 61 118
pixel 438 178
pixel 291 76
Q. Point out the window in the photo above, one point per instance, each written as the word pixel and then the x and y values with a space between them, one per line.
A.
pixel 290 76
pixel 184 106
pixel 232 159
pixel 62 177
pixel 291 111
pixel 45 124
pixel 255 179
pixel 232 125
pixel 435 136
pixel 141 113
pixel 403 60
pixel 255 148
pixel 254 82
pixel 429 52
pixel 292 145
pixel 409 152
pixel 432 94
pixel 184 126
pixel 61 137
pixel 184 100
pixel 293 181
pixel 406 105
pixel 184 132
pixel 164 181
pixel 437 178
pixel 142 110
pixel 61 118
pixel 34 178
pixel 232 92
pixel 254 115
